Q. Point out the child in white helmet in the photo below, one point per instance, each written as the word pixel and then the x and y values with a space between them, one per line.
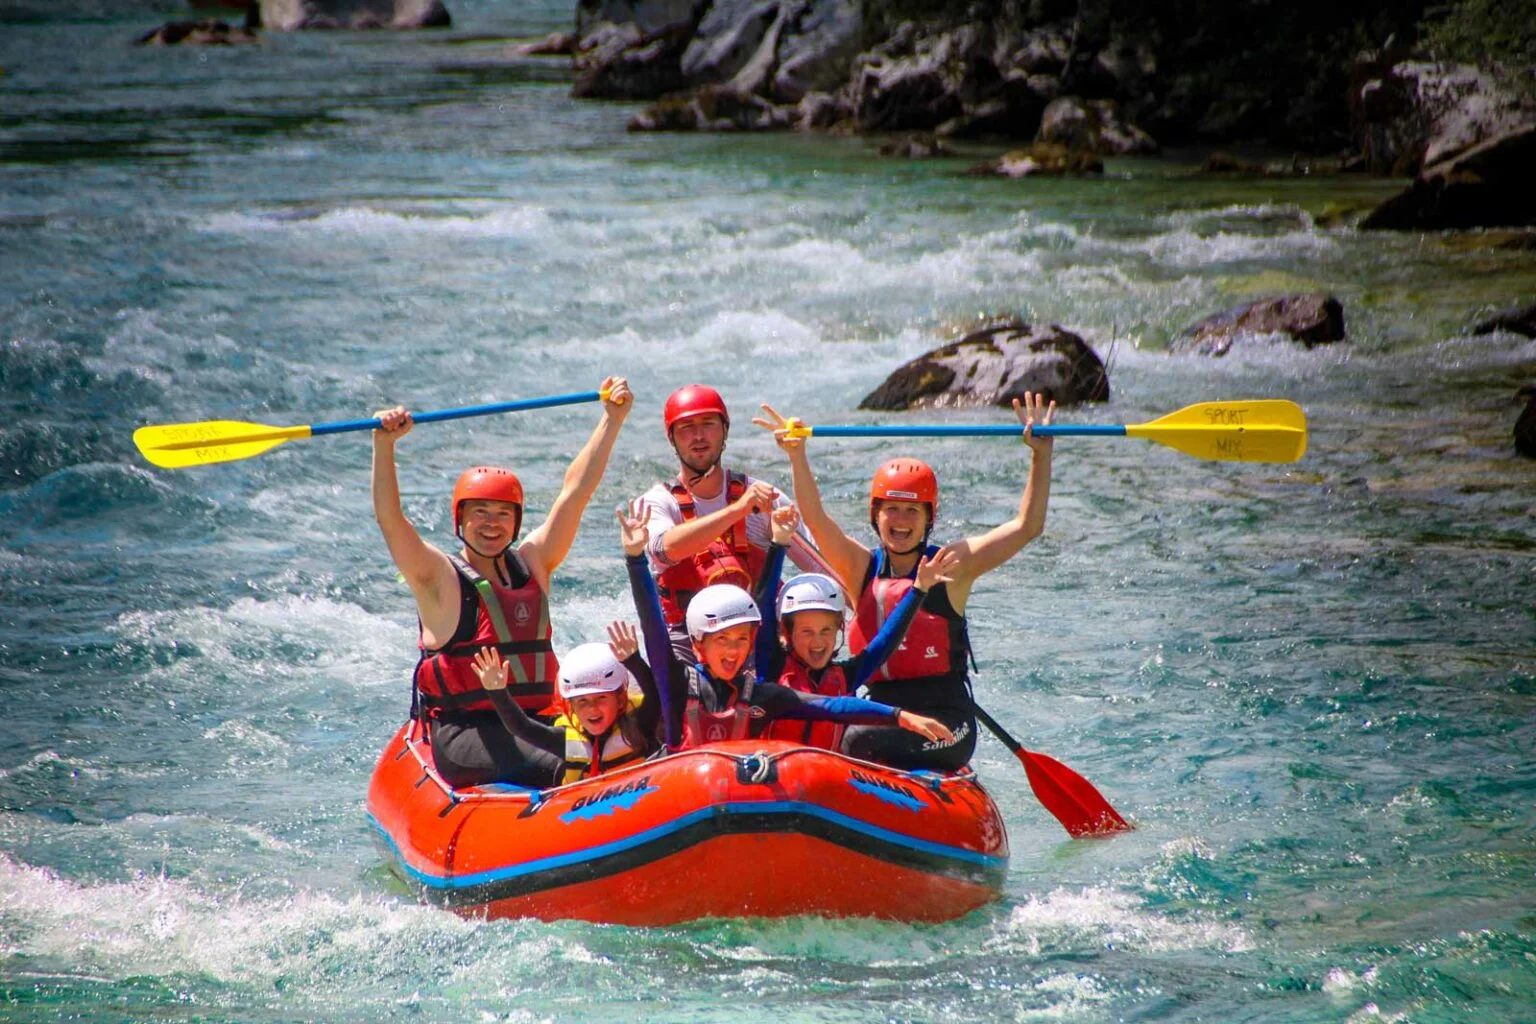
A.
pixel 798 645
pixel 719 697
pixel 603 727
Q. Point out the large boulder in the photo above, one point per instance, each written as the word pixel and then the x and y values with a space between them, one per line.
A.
pixel 1311 318
pixel 293 15
pixel 1093 126
pixel 1488 185
pixel 621 62
pixel 818 49
pixel 993 366
pixel 916 83
pixel 728 35
pixel 1411 114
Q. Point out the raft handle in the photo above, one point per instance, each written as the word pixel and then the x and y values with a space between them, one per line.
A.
pixel 757 769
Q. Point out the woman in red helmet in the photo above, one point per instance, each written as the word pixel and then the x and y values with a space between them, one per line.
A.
pixel 492 593
pixel 708 525
pixel 929 672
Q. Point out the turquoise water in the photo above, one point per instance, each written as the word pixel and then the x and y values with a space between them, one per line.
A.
pixel 1312 687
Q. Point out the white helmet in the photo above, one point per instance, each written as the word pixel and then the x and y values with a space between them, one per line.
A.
pixel 810 591
pixel 718 607
pixel 589 669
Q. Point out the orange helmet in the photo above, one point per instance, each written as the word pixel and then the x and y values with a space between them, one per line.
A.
pixel 904 480
pixel 488 483
pixel 693 400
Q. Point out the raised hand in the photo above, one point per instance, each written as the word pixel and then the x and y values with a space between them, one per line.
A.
pixel 1034 412
pixel 928 728
pixel 759 497
pixel 771 420
pixel 491 669
pixel 622 639
pixel 619 400
pixel 940 568
pixel 396 423
pixel 631 530
pixel 783 524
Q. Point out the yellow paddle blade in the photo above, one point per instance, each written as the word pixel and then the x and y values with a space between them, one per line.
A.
pixel 176 445
pixel 1261 430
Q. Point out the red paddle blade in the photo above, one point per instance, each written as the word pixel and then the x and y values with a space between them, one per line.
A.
pixel 1070 797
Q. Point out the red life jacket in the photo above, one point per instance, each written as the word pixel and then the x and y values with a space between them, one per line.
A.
pixel 705 725
pixel 729 558
pixel 797 676
pixel 514 620
pixel 934 649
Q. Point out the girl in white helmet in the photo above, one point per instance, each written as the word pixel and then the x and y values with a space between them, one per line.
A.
pixel 719 697
pixel 603 726
pixel 798 649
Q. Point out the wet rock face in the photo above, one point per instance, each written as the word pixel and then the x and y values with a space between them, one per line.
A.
pixel 995 365
pixel 1310 318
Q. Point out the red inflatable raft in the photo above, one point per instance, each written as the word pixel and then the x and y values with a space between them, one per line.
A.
pixel 742 829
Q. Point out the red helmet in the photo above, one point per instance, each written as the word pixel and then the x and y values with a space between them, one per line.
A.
pixel 488 483
pixel 905 480
pixel 693 400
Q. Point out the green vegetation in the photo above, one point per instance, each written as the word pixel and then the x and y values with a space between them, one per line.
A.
pixel 1485 32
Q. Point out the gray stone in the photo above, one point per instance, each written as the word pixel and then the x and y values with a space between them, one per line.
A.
pixel 727 37
pixel 1311 318
pixel 817 50
pixel 995 365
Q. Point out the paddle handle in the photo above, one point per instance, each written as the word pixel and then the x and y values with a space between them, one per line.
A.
pixel 997 730
pixel 458 414
pixel 967 430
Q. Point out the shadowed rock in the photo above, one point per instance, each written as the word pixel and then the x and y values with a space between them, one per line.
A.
pixel 916 146
pixel 1310 318
pixel 712 108
pixel 1488 185
pixel 1525 426
pixel 1519 320
pixel 203 32
pixel 995 365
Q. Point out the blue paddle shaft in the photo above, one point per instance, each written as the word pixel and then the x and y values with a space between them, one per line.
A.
pixel 963 430
pixel 458 414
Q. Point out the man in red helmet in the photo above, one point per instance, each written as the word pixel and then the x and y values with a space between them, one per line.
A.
pixel 492 593
pixel 709 525
pixel 929 673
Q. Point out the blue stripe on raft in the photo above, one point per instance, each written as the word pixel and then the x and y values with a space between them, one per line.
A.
pixel 651 835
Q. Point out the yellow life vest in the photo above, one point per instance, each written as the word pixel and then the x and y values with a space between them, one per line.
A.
pixel 615 752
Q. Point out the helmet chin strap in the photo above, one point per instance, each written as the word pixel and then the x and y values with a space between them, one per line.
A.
pixel 497 560
pixel 692 476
